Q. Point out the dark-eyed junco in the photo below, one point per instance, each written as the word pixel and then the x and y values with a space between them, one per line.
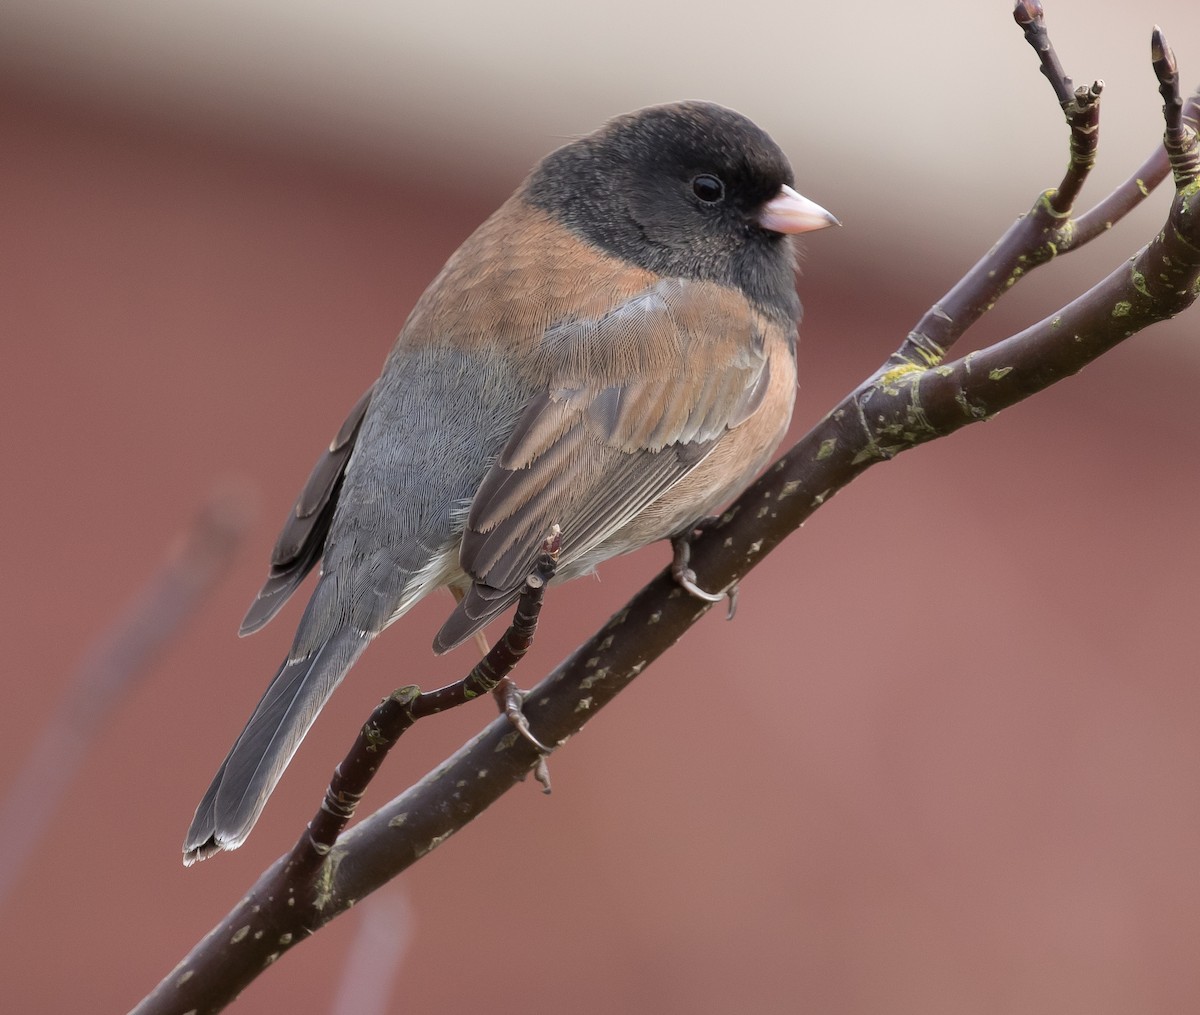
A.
pixel 612 352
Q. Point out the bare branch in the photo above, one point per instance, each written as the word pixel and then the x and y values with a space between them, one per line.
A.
pixel 1048 229
pixel 1031 17
pixel 401 709
pixel 1180 137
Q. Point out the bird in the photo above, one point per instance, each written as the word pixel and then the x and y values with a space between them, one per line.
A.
pixel 612 351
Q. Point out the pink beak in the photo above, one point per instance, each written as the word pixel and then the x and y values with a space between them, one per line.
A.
pixel 789 212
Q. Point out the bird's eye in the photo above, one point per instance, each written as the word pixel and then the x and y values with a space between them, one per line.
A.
pixel 708 188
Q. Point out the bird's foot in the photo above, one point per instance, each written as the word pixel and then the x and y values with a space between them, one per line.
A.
pixel 509 698
pixel 685 577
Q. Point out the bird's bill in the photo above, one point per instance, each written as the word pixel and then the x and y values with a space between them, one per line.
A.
pixel 789 212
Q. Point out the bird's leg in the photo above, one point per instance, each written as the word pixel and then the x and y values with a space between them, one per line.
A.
pixel 685 577
pixel 515 643
pixel 508 695
pixel 509 698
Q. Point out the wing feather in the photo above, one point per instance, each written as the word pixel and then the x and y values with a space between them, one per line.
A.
pixel 637 398
pixel 302 540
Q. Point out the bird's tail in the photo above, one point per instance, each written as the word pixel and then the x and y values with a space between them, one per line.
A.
pixel 257 760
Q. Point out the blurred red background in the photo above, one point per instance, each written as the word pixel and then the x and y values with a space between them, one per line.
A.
pixel 944 759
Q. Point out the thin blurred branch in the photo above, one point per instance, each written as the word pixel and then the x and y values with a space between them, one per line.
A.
pixel 385 930
pixel 915 397
pixel 110 670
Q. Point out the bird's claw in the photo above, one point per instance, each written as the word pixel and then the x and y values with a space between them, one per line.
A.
pixel 541 772
pixel 685 577
pixel 510 699
pixel 731 594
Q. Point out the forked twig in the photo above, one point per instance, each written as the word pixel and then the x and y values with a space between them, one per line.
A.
pixel 403 707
